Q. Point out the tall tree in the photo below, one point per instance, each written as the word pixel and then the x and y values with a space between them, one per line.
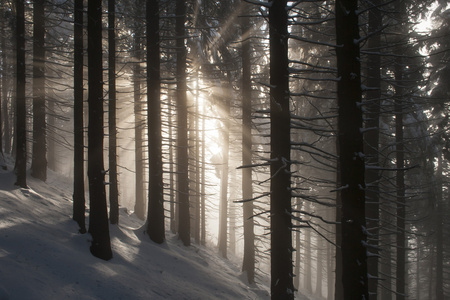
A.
pixel 281 286
pixel 98 219
pixel 223 206
pixel 139 207
pixel 155 219
pixel 182 129
pixel 21 131
pixel 39 149
pixel 113 185
pixel 371 150
pixel 351 158
pixel 248 264
pixel 79 201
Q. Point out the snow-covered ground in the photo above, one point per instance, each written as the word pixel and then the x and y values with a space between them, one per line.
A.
pixel 43 257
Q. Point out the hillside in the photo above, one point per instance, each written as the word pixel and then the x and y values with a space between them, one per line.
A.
pixel 43 257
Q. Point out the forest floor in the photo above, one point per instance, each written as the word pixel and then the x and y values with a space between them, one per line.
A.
pixel 42 256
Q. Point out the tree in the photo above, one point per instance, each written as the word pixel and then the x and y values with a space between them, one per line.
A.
pixel 98 218
pixel 371 150
pixel 139 207
pixel 182 129
pixel 113 185
pixel 280 158
pixel 248 264
pixel 39 154
pixel 79 201
pixel 21 132
pixel 351 157
pixel 155 219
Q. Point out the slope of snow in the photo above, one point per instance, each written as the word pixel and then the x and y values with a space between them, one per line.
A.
pixel 43 257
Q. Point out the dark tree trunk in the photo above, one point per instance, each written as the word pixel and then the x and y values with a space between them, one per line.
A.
pixel 182 137
pixel 113 184
pixel 371 146
pixel 21 130
pixel 282 286
pixel 2 76
pixel 439 212
pixel 79 201
pixel 399 98
pixel 155 219
pixel 139 207
pixel 248 264
pixel 39 156
pixel 351 158
pixel 98 218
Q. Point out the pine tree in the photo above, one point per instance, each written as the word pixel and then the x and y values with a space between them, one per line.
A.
pixel 98 218
pixel 280 160
pixel 351 158
pixel 113 184
pixel 155 219
pixel 79 201
pixel 182 130
pixel 21 131
pixel 39 149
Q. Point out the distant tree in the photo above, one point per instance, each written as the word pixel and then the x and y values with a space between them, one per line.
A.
pixel 182 129
pixel 21 130
pixel 155 219
pixel 281 286
pixel 113 185
pixel 98 217
pixel 39 149
pixel 140 204
pixel 79 201
pixel 351 158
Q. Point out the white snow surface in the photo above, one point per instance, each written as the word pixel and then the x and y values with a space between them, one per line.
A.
pixel 42 256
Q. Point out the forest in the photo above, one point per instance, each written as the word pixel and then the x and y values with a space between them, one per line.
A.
pixel 307 140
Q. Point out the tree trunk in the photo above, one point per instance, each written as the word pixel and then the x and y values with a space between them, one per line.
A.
pixel 371 146
pixel 223 207
pixel 248 264
pixel 155 219
pixel 351 158
pixel 39 156
pixel 182 132
pixel 400 181
pixel 173 219
pixel 21 130
pixel 79 201
pixel 98 218
pixel 139 207
pixel 439 211
pixel 112 128
pixel 280 143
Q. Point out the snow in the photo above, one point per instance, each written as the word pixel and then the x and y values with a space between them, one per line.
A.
pixel 42 256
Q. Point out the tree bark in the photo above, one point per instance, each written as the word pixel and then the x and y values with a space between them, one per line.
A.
pixel 79 201
pixel 351 157
pixel 98 219
pixel 223 206
pixel 182 136
pixel 282 286
pixel 39 149
pixel 112 128
pixel 371 146
pixel 21 133
pixel 155 219
pixel 248 264
pixel 139 207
